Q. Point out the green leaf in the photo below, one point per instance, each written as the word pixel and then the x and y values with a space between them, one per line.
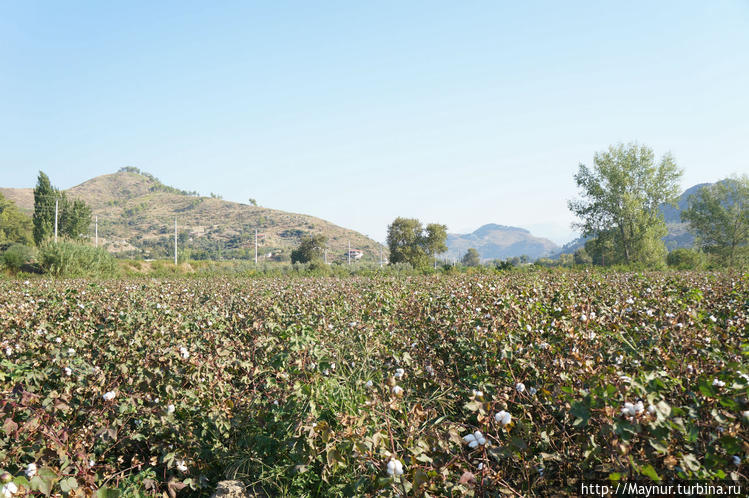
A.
pixel 649 471
pixel 69 484
pixel 107 493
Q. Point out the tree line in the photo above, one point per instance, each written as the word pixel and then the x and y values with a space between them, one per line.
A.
pixel 619 215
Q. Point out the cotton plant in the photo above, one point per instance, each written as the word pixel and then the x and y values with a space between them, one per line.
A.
pixel 109 395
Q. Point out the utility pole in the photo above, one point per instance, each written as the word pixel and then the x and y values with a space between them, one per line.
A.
pixel 96 231
pixel 56 202
pixel 256 247
pixel 175 241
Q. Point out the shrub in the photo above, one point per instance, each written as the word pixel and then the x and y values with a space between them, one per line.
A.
pixel 685 259
pixel 67 259
pixel 17 256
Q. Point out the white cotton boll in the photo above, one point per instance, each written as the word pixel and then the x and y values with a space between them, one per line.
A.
pixel 651 409
pixel 91 463
pixel 8 490
pixel 109 396
pixel 639 407
pixel 736 460
pixel 503 417
pixel 58 340
pixel 532 391
pixel 583 318
pixel 181 466
pixel 520 387
pixel 745 414
pixel 184 353
pixel 9 351
pixel 67 371
pixel 718 383
pixel 170 409
pixel 628 409
pixel 326 372
pixel 71 351
pixel 430 370
pixel 477 394
pixel 398 390
pixel 713 319
pixel 30 470
pixel 399 373
pixel 369 384
pixel 395 468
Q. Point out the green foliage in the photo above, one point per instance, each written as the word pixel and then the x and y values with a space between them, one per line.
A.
pixel 685 259
pixel 73 218
pixel 288 384
pixel 14 225
pixel 719 214
pixel 44 209
pixel 622 195
pixel 17 256
pixel 581 257
pixel 69 259
pixel 311 248
pixel 471 258
pixel 409 242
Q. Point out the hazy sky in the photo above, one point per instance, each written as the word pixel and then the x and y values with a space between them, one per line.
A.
pixel 462 113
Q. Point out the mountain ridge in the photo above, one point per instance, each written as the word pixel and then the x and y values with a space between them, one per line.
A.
pixel 495 241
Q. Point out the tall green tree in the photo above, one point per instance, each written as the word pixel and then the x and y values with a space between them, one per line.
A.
pixel 719 215
pixel 44 209
pixel 73 216
pixel 311 248
pixel 621 196
pixel 409 242
pixel 76 218
pixel 471 257
pixel 15 227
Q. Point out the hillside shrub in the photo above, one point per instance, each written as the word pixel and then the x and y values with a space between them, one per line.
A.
pixel 68 259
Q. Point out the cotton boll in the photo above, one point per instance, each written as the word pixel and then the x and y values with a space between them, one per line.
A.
pixel 395 468
pixel 30 470
pixel 503 417
pixel 520 387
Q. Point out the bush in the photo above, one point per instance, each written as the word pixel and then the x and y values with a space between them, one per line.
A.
pixel 17 256
pixel 67 259
pixel 685 259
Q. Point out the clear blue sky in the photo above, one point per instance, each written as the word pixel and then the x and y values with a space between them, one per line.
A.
pixel 463 113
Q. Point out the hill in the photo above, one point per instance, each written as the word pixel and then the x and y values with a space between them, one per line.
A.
pixel 136 218
pixel 499 242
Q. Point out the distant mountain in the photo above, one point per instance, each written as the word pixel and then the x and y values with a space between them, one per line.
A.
pixel 136 216
pixel 500 242
pixel 678 235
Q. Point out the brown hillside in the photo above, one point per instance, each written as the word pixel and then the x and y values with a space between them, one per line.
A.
pixel 136 213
